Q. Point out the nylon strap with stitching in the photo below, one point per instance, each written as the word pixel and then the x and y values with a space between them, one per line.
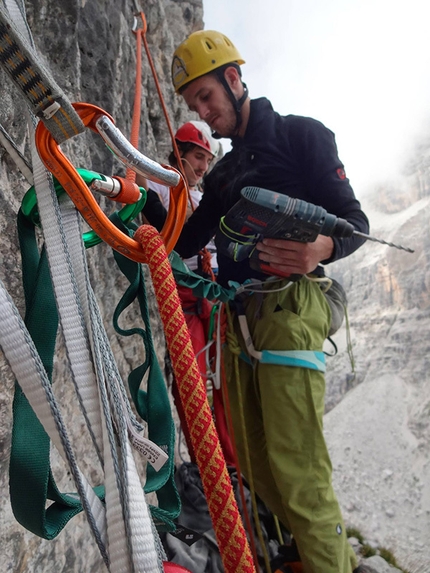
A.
pixel 45 97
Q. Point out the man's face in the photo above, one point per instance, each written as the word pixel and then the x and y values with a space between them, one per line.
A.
pixel 196 162
pixel 208 98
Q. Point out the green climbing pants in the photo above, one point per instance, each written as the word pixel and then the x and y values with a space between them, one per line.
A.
pixel 281 410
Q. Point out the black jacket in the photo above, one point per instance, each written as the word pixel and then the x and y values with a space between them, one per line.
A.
pixel 293 155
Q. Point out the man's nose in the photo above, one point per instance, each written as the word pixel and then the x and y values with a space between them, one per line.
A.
pixel 203 111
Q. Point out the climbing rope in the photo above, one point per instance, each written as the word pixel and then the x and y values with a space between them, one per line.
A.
pixel 229 531
pixel 141 32
pixel 141 37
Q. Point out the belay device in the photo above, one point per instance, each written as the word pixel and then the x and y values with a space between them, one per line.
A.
pixel 262 213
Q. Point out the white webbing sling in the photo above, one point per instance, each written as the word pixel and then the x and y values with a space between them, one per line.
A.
pixel 122 525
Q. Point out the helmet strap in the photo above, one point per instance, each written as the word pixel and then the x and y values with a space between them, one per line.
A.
pixel 237 103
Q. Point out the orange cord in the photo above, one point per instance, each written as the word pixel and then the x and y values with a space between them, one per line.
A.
pixel 141 34
pixel 143 31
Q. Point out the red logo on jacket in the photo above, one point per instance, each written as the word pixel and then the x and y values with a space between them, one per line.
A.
pixel 341 173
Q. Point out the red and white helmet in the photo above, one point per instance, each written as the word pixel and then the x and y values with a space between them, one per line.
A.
pixel 189 133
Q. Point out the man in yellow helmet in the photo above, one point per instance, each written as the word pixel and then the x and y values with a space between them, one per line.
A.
pixel 282 405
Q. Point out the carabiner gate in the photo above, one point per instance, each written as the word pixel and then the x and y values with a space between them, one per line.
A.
pixel 63 170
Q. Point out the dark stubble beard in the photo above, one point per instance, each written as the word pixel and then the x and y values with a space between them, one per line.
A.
pixel 230 129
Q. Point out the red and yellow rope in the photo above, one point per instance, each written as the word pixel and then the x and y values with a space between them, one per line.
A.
pixel 232 543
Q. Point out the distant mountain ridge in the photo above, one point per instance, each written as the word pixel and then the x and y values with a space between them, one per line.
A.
pixel 378 425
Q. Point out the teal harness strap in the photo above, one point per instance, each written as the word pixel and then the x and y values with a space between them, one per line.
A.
pixel 153 405
pixel 312 359
pixel 30 479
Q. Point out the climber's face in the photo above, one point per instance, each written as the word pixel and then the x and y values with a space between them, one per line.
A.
pixel 208 98
pixel 196 162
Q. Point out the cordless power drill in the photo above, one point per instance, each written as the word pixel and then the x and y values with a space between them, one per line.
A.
pixel 262 213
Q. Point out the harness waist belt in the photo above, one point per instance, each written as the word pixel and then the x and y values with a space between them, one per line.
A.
pixel 312 359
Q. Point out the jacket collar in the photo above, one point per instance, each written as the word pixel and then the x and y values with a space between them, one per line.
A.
pixel 256 122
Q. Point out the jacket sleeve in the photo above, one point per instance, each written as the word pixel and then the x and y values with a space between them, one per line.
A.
pixel 154 210
pixel 201 226
pixel 326 181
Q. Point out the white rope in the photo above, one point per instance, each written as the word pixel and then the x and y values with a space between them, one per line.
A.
pixel 123 527
pixel 28 369
pixel 127 516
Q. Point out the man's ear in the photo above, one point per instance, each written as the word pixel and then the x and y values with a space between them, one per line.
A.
pixel 233 78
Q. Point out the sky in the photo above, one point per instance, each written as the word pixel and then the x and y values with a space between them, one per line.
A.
pixel 362 67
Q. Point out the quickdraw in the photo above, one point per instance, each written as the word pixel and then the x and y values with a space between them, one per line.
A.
pixel 67 175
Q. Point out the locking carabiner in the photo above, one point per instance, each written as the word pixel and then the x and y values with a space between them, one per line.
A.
pixel 128 212
pixel 67 175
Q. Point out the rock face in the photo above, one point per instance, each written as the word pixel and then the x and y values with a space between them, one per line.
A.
pixel 378 432
pixel 90 49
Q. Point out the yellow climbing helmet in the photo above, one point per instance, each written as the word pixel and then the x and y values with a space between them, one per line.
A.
pixel 201 53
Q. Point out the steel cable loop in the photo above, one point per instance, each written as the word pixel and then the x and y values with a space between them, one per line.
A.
pixel 229 530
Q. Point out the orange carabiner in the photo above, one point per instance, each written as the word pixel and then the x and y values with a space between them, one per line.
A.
pixel 63 170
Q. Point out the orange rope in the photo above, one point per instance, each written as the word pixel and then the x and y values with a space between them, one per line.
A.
pixel 160 95
pixel 230 534
pixel 206 263
pixel 134 138
pixel 142 35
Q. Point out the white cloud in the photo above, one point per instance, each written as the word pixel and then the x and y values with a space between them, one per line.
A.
pixel 362 67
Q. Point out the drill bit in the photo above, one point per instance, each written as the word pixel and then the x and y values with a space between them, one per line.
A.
pixel 369 238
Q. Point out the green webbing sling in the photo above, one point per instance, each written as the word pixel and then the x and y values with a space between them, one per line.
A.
pixel 153 406
pixel 201 287
pixel 30 478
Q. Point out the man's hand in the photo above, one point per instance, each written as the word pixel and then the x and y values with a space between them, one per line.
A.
pixel 292 257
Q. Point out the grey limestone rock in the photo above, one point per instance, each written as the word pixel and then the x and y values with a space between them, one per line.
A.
pixel 90 50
